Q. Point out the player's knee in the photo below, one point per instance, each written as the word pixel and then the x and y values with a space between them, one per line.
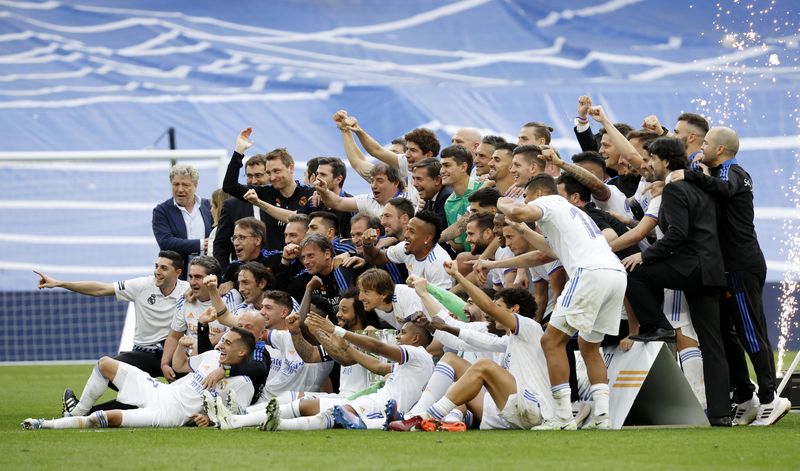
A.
pixel 449 358
pixel 106 366
pixel 483 365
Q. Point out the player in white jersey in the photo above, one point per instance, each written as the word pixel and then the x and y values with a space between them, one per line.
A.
pixel 413 366
pixel 591 302
pixel 519 389
pixel 420 251
pixel 154 299
pixel 188 313
pixel 160 405
pixel 394 304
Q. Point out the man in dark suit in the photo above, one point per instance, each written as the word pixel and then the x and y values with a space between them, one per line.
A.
pixel 432 194
pixel 234 209
pixel 183 222
pixel 688 258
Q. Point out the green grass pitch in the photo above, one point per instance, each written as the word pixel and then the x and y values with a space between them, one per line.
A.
pixel 34 391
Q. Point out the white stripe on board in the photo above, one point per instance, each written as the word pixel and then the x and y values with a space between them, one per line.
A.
pixel 93 205
pixel 76 269
pixel 54 239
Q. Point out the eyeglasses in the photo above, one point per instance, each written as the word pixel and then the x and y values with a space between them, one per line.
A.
pixel 240 238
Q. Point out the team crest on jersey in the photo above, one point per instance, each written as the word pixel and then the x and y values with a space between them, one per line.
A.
pixel 151 300
pixel 748 183
pixel 303 201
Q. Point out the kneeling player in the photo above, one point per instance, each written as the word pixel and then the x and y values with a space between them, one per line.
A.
pixel 160 405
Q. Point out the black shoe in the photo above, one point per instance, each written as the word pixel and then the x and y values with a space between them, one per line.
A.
pixel 723 421
pixel 68 403
pixel 659 334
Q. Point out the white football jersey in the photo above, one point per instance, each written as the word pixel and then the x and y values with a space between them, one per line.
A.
pixel 431 267
pixel 189 389
pixel 187 314
pixel 617 202
pixel 368 204
pixel 408 378
pixel 405 303
pixel 352 379
pixel 541 274
pixel 528 364
pixel 153 310
pixel 497 276
pixel 573 236
pixel 288 371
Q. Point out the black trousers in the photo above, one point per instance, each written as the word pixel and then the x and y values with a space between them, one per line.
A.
pixel 745 328
pixel 645 292
pixel 148 362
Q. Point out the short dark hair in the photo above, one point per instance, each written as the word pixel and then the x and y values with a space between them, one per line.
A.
pixel 431 165
pixel 320 241
pixel 174 257
pixel 367 318
pixel 485 197
pixel 280 298
pixel 695 120
pixel 247 339
pixel 337 167
pixel 532 154
pixel 507 146
pixel 590 156
pixel 493 141
pixel 623 129
pixel 323 305
pixel 312 166
pixel 282 154
pixel 403 205
pixel 483 220
pixel 572 185
pixel 330 219
pixel 425 139
pixel 208 262
pixel 671 150
pixel 391 173
pixel 646 136
pixel 458 153
pixel 429 217
pixel 255 226
pixel 257 159
pixel 540 130
pixel 372 221
pixel 544 182
pixel 519 297
pixel 259 271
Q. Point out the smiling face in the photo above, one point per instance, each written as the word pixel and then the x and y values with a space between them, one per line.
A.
pixel 482 158
pixel 500 164
pixel 346 317
pixel 658 168
pixel 183 190
pixel 609 151
pixel 370 298
pixel 418 236
pixel 256 174
pixel 165 273
pixel 452 173
pixel 522 170
pixel 515 241
pixel 407 334
pixel 382 189
pixel 279 175
pixel 246 244
pixel 248 288
pixel 414 153
pixel 315 260
pixel 273 312
pixel 357 229
pixel 231 348
pixel 426 185
pixel 477 238
pixel 393 223
pixel 294 233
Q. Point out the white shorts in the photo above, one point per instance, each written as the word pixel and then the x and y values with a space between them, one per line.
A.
pixel 371 409
pixel 326 400
pixel 158 406
pixel 520 412
pixel 676 309
pixel 591 304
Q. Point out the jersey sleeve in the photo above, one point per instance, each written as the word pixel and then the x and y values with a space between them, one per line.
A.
pixel 232 299
pixel 179 319
pixel 414 355
pixel 528 329
pixel 127 290
pixel 364 203
pixel 653 208
pixel 396 253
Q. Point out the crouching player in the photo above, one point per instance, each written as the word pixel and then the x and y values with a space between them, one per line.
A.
pixel 159 404
pixel 518 390
pixel 413 367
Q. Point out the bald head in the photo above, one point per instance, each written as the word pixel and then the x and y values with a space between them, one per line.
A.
pixel 253 322
pixel 719 145
pixel 469 138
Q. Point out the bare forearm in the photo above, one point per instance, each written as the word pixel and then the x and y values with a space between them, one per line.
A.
pixel 594 184
pixel 374 256
pixel 357 160
pixel 307 352
pixel 454 230
pixel 275 212
pixel 180 359
pixel 374 149
pixel 89 288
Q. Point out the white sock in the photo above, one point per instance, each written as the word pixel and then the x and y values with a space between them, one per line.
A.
pixel 253 419
pixel 96 385
pixel 599 394
pixel 455 415
pixel 320 421
pixel 561 395
pixel 441 408
pixel 97 419
pixel 442 378
pixel 692 364
pixel 291 410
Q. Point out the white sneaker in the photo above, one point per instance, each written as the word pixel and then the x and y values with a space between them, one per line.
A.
pixel 769 414
pixel 223 415
pixel 746 412
pixel 581 410
pixel 210 407
pixel 32 424
pixel 598 422
pixel 232 403
pixel 273 419
pixel 556 424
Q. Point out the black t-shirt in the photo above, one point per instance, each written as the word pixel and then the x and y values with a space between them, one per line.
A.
pixel 267 193
pixel 343 217
pixel 232 273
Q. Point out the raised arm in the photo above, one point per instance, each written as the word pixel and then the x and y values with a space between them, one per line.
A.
pixel 306 351
pixel 484 303
pixel 517 211
pixel 343 352
pixel 370 145
pixel 281 214
pixel 333 200
pixel 221 312
pixel 180 359
pixel 89 288
pixel 599 189
pixel 354 155
pixel 619 141
pixel 372 254
pixel 633 236
pixel 230 184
